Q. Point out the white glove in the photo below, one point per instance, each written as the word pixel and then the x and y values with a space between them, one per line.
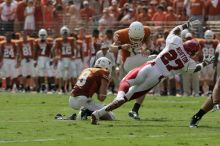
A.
pixel 215 107
pixel 208 59
pixel 194 23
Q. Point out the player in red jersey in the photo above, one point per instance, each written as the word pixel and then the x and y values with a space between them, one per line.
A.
pixel 174 59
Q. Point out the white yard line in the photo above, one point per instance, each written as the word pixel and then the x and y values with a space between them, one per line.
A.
pixel 174 101
pixel 25 141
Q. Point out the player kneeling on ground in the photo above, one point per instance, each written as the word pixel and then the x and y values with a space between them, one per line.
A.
pixel 91 80
pixel 174 59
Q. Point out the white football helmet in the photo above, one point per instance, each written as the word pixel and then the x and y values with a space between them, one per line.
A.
pixel 188 36
pixel 183 33
pixel 64 31
pixel 136 32
pixel 208 35
pixel 42 34
pixel 104 62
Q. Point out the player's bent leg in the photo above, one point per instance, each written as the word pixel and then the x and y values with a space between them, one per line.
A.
pixel 77 102
pixel 207 106
pixel 119 100
pixel 216 93
pixel 134 112
pixel 96 115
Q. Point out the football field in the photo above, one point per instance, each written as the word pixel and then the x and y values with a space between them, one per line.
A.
pixel 28 120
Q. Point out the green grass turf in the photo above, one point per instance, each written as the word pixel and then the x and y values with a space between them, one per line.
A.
pixel 28 120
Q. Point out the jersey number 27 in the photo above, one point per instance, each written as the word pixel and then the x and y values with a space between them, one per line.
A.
pixel 169 56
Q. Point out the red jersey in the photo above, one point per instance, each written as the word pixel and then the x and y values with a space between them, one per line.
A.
pixel 89 82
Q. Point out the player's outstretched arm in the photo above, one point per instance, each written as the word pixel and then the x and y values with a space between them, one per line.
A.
pixel 189 24
pixel 207 60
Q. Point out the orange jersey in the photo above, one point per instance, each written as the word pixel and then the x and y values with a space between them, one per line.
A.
pixel 8 50
pixel 211 10
pixel 64 48
pixel 88 40
pixel 207 48
pixel 89 82
pixel 43 48
pixel 197 7
pixel 178 6
pixel 121 37
pixel 26 49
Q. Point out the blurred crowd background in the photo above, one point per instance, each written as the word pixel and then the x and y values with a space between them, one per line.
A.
pixel 31 15
pixel 94 21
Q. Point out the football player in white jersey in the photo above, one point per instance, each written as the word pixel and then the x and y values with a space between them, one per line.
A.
pixel 175 58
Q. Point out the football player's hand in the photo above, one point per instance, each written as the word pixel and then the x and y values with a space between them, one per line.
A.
pixel 126 46
pixel 208 60
pixel 194 22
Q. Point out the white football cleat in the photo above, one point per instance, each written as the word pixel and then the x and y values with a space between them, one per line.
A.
pixel 216 107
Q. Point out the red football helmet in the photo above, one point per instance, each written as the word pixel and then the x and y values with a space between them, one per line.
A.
pixel 191 47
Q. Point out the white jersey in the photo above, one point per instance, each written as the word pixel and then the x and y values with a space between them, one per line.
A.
pixel 174 59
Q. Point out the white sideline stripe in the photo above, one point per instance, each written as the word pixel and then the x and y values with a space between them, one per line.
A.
pixel 125 136
pixel 24 141
pixel 19 121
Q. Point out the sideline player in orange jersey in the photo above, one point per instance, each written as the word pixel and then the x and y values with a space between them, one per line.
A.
pixel 94 80
pixel 134 44
pixel 43 53
pixel 26 61
pixel 8 61
pixel 64 51
pixel 208 45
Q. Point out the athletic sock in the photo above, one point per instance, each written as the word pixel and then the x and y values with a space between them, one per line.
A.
pixel 200 113
pixel 136 107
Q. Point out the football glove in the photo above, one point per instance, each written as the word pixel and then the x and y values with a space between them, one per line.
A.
pixel 208 60
pixel 193 23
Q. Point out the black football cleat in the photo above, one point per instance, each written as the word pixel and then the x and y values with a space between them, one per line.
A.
pixel 194 121
pixel 58 116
